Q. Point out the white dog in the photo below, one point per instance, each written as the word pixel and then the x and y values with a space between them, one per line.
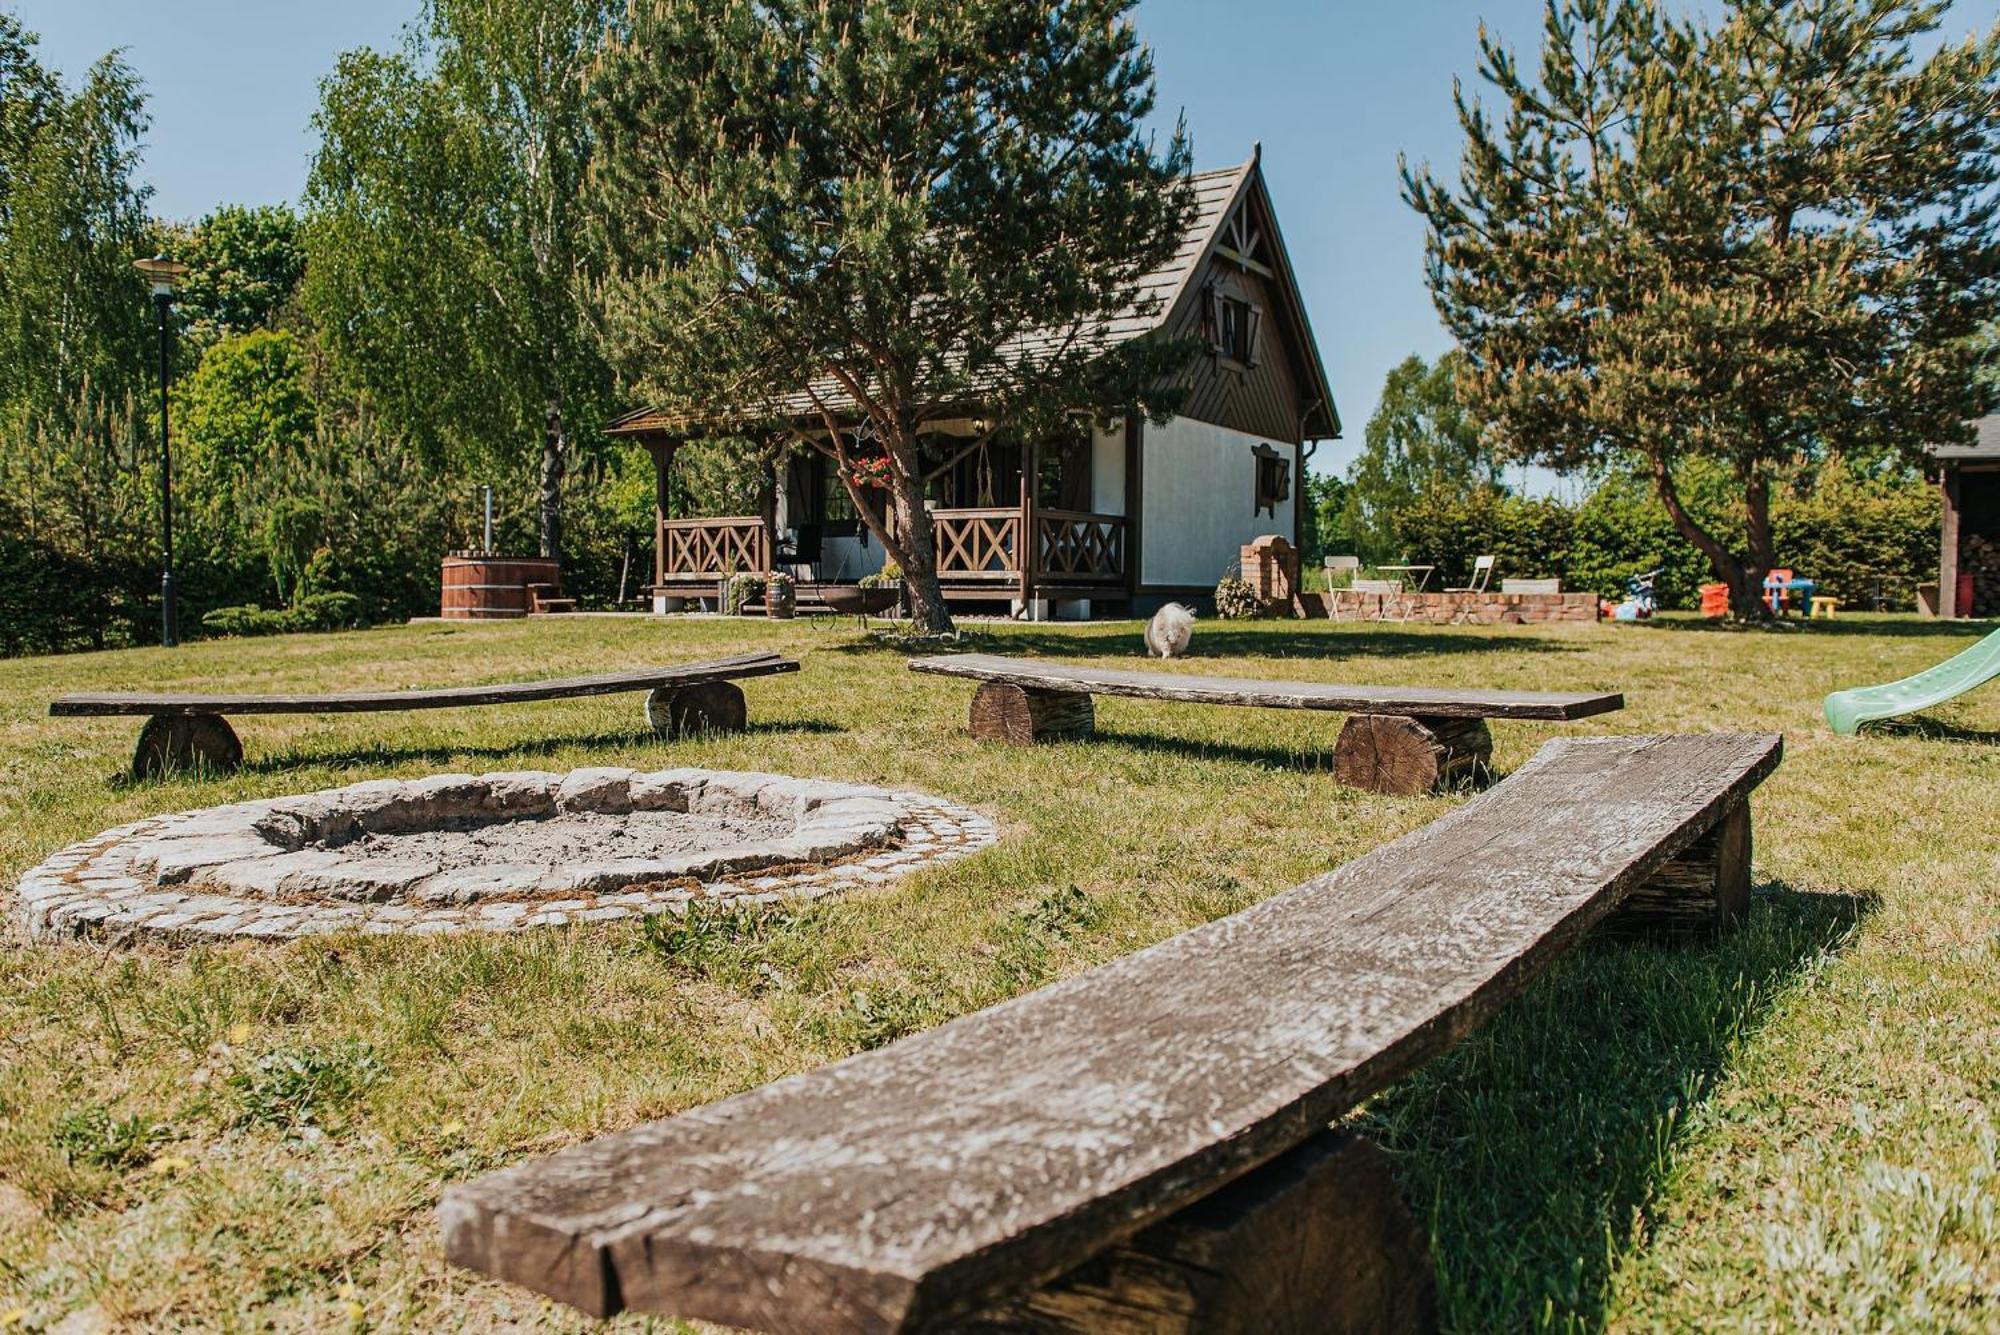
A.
pixel 1168 633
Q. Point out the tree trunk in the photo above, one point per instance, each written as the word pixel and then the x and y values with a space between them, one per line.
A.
pixel 1746 585
pixel 913 545
pixel 555 463
pixel 1762 555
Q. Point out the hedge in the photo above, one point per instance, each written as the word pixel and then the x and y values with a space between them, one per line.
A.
pixel 1846 532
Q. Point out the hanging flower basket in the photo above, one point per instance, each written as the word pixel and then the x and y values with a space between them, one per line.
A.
pixel 872 471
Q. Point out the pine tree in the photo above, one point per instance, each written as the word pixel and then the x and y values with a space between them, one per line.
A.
pixel 1764 242
pixel 914 211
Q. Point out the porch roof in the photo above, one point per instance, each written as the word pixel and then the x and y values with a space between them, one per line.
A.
pixel 1215 193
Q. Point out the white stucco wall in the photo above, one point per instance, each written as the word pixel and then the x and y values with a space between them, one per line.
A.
pixel 1107 470
pixel 1200 484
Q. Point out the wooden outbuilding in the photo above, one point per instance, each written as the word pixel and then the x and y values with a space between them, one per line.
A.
pixel 1969 484
pixel 1119 513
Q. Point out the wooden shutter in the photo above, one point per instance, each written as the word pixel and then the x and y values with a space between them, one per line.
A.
pixel 1211 316
pixel 1253 324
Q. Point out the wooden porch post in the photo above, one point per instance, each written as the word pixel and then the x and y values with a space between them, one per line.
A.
pixel 663 452
pixel 767 513
pixel 1135 494
pixel 1024 541
pixel 1947 600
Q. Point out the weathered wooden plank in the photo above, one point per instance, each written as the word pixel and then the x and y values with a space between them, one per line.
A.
pixel 1036 674
pixel 966 1165
pixel 345 702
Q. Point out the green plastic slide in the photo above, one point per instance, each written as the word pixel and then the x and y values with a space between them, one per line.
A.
pixel 1848 710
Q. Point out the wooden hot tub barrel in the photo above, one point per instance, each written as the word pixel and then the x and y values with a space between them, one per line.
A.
pixel 482 587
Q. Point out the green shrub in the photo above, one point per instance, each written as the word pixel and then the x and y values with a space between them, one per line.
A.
pixel 315 611
pixel 1235 600
pixel 739 589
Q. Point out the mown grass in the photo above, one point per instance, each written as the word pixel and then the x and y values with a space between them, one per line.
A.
pixel 1790 1127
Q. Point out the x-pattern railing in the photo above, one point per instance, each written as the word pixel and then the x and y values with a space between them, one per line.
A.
pixel 1080 547
pixel 983 543
pixel 715 547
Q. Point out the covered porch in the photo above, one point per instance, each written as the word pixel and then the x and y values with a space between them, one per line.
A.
pixel 1016 527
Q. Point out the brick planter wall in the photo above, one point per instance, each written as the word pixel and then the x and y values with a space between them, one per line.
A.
pixel 1454 609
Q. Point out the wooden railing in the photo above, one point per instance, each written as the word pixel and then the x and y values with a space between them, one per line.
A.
pixel 712 548
pixel 982 544
pixel 974 546
pixel 1072 547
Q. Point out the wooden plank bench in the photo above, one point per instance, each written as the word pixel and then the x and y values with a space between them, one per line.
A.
pixel 1144 1146
pixel 190 729
pixel 548 600
pixel 1400 739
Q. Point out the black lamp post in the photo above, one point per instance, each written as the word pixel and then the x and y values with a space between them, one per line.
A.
pixel 162 273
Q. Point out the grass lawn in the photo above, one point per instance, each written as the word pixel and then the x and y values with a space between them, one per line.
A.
pixel 1790 1127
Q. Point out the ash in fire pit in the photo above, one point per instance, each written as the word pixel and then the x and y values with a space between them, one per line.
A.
pixel 493 852
pixel 574 837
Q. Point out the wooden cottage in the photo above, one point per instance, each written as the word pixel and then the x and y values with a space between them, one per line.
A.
pixel 1969 484
pixel 1102 519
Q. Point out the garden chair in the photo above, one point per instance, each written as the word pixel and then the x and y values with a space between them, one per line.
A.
pixel 1341 572
pixel 1482 572
pixel 1384 589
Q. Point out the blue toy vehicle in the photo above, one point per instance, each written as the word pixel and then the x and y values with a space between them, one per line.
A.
pixel 1639 604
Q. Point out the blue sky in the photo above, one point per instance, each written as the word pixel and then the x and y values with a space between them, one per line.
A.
pixel 1334 89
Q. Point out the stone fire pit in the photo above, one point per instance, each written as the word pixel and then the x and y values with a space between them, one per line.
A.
pixel 490 852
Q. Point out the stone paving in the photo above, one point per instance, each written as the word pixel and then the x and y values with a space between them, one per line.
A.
pixel 273 869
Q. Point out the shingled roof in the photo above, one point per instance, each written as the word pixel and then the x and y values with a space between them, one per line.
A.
pixel 1985 447
pixel 1215 197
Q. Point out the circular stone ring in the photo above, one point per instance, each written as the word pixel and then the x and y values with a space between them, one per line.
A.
pixel 491 852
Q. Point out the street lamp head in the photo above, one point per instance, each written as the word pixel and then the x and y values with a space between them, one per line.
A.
pixel 162 273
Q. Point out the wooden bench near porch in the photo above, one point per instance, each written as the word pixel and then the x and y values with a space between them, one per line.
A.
pixel 190 729
pixel 1400 739
pixel 1145 1146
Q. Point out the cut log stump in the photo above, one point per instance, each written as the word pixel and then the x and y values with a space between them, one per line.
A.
pixel 1316 1242
pixel 1704 889
pixel 1406 754
pixel 172 742
pixel 696 711
pixel 1004 712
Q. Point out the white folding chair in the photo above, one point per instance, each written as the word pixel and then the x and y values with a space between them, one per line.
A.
pixel 1482 572
pixel 1384 590
pixel 1338 567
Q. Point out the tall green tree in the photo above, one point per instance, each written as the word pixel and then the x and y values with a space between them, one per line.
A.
pixel 244 268
pixel 446 266
pixel 1758 241
pixel 73 314
pixel 909 211
pixel 1421 441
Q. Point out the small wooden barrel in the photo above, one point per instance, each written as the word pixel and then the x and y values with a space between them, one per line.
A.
pixel 482 587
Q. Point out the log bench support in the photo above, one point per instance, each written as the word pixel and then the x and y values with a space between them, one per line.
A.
pixel 1402 740
pixel 1409 754
pixel 1703 889
pixel 198 742
pixel 711 708
pixel 1316 1242
pixel 1004 712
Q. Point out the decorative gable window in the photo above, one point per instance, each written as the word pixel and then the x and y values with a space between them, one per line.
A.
pixel 1274 480
pixel 1233 325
